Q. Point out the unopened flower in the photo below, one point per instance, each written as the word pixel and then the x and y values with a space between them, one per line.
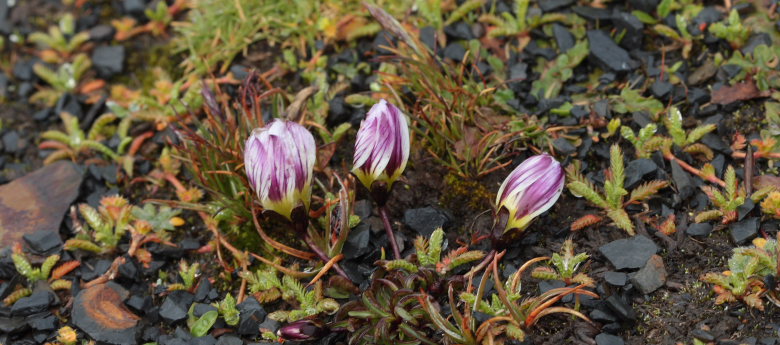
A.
pixel 302 330
pixel 279 161
pixel 382 146
pixel 532 188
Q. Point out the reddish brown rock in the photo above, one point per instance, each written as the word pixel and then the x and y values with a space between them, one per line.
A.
pixel 37 201
pixel 100 312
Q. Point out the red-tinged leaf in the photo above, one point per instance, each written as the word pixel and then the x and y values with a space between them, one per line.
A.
pixel 585 221
pixel 64 269
pixel 739 92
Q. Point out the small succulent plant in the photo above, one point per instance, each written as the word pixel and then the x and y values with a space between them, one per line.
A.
pixel 564 266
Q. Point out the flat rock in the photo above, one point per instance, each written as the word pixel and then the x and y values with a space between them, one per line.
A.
pixel 651 277
pixel 630 252
pixel 228 339
pixel 43 242
pixel 37 201
pixel 699 229
pixel 744 230
pixel 251 315
pixel 682 181
pixel 176 305
pixel 608 54
pixel 621 308
pixel 109 60
pixel 608 339
pixel 615 278
pixel 38 302
pixel 563 37
pixel 99 312
pixel 637 169
pixel 427 219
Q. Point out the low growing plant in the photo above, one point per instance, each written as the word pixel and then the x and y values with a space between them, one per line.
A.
pixel 751 275
pixel 611 200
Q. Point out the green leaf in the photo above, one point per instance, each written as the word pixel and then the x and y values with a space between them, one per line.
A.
pixel 664 8
pixel 666 31
pixel 621 219
pixel 644 17
pixel 584 190
pixel 673 122
pixel 699 132
pixel 204 323
pixel 435 245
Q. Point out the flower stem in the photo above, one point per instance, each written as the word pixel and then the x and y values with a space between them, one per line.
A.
pixel 692 170
pixel 389 230
pixel 324 257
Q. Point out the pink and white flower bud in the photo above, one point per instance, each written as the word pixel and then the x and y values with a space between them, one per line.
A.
pixel 279 162
pixel 532 188
pixel 302 330
pixel 382 146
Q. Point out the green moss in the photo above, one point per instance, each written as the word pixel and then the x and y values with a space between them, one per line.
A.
pixel 462 192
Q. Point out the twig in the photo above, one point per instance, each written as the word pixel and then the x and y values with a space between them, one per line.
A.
pixel 389 230
pixel 109 275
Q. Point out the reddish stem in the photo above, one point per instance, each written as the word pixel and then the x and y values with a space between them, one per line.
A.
pixel 324 257
pixel 697 172
pixel 389 230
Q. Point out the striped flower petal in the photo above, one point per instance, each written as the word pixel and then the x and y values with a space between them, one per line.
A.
pixel 279 162
pixel 382 146
pixel 529 190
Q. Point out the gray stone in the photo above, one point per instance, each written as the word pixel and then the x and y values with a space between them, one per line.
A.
pixel 744 230
pixel 608 339
pixel 427 219
pixel 699 229
pixel 630 252
pixel 651 277
pixel 608 54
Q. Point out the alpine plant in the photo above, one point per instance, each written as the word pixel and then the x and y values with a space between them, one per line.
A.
pixel 381 149
pixel 279 161
pixel 381 154
pixel 529 190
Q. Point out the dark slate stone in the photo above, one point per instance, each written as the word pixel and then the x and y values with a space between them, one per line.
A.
pixel 702 335
pixel 70 104
pixel 382 39
pixel 756 40
pixel 269 325
pixel 608 54
pixel 23 69
pixel 427 219
pixel 357 242
pixel 202 308
pixel 38 302
pixel 608 339
pixel 564 146
pixel 428 37
pixel 134 7
pixel 563 37
pixel 252 315
pixel 11 142
pixel 651 277
pixel 102 33
pixel 108 60
pixel 204 340
pixel 10 325
pixel 202 291
pixel 633 29
pixel 601 316
pixel 744 230
pixel 661 88
pixel 592 13
pixel 648 6
pixel 552 5
pixel 744 209
pixel 621 309
pixel 698 95
pixel 459 31
pixel 25 89
pixel 615 278
pixel 455 51
pixel 176 306
pixel 43 242
pixel 699 229
pixel 682 181
pixel 715 142
pixel 637 170
pixel 630 252
pixel 228 339
pixel 708 15
pixel 43 114
pixel 48 322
